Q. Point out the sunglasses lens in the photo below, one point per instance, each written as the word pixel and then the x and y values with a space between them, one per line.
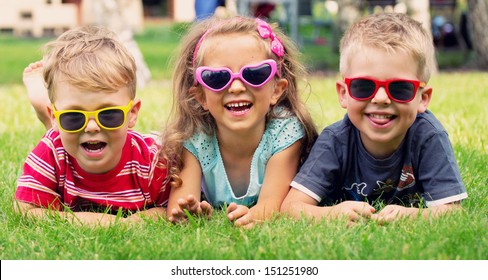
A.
pixel 362 88
pixel 215 79
pixel 402 90
pixel 111 118
pixel 257 75
pixel 72 121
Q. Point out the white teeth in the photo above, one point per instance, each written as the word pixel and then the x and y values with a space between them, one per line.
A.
pixel 380 116
pixel 238 104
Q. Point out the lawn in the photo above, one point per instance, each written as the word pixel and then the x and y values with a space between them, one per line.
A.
pixel 459 101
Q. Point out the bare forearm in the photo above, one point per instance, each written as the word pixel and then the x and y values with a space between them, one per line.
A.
pixel 394 212
pixel 265 210
pixel 298 210
pixel 82 218
pixel 153 214
pixel 352 211
pixel 297 204
pixel 86 218
pixel 434 212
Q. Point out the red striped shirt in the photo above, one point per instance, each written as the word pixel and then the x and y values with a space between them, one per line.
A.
pixel 52 178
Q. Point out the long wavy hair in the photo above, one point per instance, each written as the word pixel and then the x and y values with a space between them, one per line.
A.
pixel 188 116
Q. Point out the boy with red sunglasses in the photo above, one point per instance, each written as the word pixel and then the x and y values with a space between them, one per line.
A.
pixel 90 166
pixel 389 149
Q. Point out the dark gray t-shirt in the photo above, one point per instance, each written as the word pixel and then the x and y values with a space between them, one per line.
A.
pixel 423 168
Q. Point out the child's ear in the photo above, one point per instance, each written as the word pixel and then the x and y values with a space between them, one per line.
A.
pixel 426 94
pixel 280 86
pixel 197 92
pixel 53 119
pixel 134 111
pixel 341 89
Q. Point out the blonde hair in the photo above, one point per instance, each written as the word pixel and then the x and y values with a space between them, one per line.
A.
pixel 89 58
pixel 188 116
pixel 391 32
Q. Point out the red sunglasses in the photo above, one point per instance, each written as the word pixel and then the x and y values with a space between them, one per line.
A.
pixel 398 90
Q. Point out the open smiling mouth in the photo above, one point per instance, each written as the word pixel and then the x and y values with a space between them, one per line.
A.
pixel 381 119
pixel 93 147
pixel 238 107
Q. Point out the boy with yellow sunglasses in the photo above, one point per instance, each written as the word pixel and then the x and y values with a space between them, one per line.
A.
pixel 90 166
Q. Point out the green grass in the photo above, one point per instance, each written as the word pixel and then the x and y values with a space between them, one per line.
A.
pixel 459 101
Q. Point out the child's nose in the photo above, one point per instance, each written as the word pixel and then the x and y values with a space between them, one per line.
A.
pixel 92 125
pixel 237 86
pixel 381 97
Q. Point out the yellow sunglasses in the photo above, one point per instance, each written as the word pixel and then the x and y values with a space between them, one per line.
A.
pixel 109 118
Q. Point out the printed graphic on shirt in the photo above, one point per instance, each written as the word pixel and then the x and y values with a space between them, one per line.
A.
pixel 383 187
pixel 407 179
pixel 355 190
pixel 402 189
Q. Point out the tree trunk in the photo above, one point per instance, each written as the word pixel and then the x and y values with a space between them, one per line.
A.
pixel 477 26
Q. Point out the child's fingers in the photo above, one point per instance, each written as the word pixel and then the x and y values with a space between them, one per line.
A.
pixel 352 216
pixel 391 213
pixel 237 213
pixel 379 218
pixel 183 203
pixel 231 207
pixel 193 205
pixel 206 208
pixel 383 219
pixel 364 209
pixel 191 200
pixel 245 221
pixel 248 226
pixel 189 203
pixel 176 215
pixel 31 67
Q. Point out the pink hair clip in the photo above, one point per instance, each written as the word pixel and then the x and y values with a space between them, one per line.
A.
pixel 266 32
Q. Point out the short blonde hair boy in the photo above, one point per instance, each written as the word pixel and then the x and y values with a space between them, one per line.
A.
pixel 89 58
pixel 401 33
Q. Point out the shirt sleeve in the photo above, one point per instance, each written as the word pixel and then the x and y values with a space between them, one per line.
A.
pixel 285 132
pixel 158 177
pixel 438 171
pixel 160 185
pixel 190 146
pixel 38 183
pixel 318 175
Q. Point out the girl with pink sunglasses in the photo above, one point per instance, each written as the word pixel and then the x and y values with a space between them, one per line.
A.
pixel 239 129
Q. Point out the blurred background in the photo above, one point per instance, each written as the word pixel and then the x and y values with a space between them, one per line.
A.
pixel 152 28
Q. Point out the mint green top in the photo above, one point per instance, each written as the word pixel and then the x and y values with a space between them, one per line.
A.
pixel 279 134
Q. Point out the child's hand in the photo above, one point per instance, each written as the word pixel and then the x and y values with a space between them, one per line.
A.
pixel 193 206
pixel 393 212
pixel 134 218
pixel 154 214
pixel 240 215
pixel 354 211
